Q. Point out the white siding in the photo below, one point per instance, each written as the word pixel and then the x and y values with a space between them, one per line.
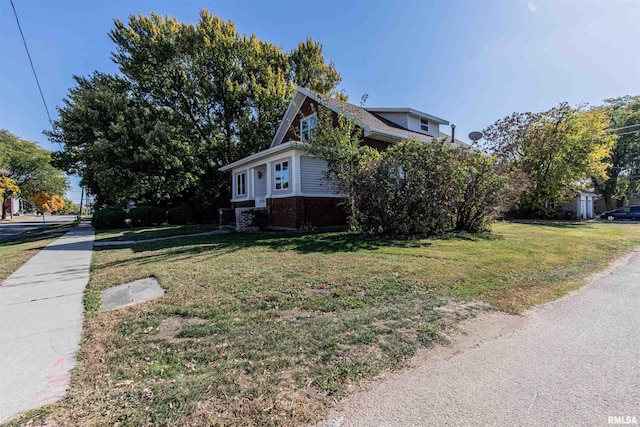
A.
pixel 434 129
pixel 414 125
pixel 261 183
pixel 411 122
pixel 401 119
pixel 313 176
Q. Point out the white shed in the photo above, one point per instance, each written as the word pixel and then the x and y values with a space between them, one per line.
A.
pixel 584 203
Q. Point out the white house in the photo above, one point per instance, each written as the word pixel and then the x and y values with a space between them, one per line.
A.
pixel 291 183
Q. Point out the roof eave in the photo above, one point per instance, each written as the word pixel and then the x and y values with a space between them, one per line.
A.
pixel 408 110
pixel 261 154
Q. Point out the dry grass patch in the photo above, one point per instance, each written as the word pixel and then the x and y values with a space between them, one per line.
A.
pixel 15 253
pixel 272 329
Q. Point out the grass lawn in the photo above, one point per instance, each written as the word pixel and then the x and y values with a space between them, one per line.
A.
pixel 141 233
pixel 17 251
pixel 272 329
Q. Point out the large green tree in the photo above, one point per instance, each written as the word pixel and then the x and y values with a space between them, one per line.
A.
pixel 623 171
pixel 30 167
pixel 559 150
pixel 123 146
pixel 192 97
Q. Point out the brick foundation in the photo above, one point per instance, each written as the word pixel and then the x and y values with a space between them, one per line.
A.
pixel 293 212
pixel 244 204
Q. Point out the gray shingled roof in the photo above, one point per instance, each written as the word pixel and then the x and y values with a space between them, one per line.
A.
pixel 376 122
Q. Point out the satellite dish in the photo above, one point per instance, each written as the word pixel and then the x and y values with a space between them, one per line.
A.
pixel 475 136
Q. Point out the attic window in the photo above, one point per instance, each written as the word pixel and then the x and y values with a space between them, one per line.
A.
pixel 424 125
pixel 306 127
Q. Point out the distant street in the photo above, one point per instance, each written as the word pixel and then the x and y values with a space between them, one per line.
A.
pixel 21 224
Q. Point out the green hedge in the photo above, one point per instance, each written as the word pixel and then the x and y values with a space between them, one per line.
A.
pixel 182 215
pixel 144 216
pixel 108 218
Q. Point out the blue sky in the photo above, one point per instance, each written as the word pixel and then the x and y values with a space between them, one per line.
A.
pixel 468 61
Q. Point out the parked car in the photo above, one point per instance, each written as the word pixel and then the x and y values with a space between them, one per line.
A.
pixel 625 212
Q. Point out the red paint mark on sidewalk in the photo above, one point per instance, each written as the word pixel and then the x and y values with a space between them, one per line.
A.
pixel 61 362
pixel 56 384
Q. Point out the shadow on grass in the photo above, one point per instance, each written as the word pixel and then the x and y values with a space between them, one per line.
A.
pixel 217 245
pixel 32 237
pixel 144 233
pixel 223 244
pixel 226 243
pixel 550 223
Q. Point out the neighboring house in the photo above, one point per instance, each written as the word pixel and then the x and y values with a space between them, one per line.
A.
pixel 291 183
pixel 581 206
pixel 11 206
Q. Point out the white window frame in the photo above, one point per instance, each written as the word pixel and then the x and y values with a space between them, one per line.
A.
pixel 241 184
pixel 425 123
pixel 284 185
pixel 307 126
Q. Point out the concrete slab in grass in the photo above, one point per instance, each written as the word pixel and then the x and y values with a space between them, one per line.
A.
pixel 131 293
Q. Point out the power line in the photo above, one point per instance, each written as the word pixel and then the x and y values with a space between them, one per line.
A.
pixel 31 62
pixel 628 133
pixel 624 127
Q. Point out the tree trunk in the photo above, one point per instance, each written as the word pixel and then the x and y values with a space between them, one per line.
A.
pixel 4 210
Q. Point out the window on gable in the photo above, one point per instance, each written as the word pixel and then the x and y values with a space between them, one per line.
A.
pixel 282 175
pixel 424 125
pixel 306 127
pixel 241 184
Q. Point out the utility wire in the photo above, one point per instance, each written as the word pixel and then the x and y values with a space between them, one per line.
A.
pixel 31 62
pixel 624 127
pixel 628 133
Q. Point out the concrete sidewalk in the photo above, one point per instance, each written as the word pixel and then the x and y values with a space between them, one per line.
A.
pixel 574 362
pixel 41 321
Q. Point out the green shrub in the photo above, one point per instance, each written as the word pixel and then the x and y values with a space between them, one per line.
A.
pixel 415 188
pixel 182 215
pixel 145 216
pixel 108 218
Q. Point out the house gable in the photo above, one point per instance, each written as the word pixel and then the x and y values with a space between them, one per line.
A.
pixel 381 126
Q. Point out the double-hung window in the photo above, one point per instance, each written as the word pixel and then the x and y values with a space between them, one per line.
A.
pixel 306 127
pixel 241 184
pixel 424 125
pixel 282 175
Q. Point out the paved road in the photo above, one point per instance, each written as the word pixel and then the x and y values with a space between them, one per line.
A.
pixel 572 362
pixel 21 224
pixel 41 321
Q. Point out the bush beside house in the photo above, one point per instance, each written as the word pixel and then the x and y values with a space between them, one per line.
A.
pixel 108 218
pixel 182 215
pixel 144 216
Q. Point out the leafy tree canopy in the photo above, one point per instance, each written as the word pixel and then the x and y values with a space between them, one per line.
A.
pixel 29 166
pixel 189 99
pixel 559 150
pixel 623 171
